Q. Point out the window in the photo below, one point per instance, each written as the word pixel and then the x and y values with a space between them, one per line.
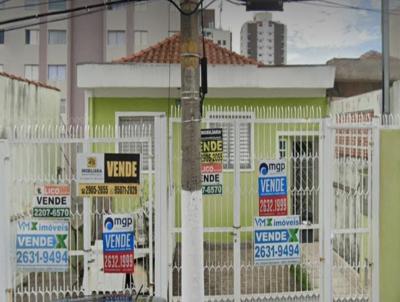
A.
pixel 32 72
pixel 219 42
pixel 56 72
pixel 63 106
pixel 31 37
pixel 57 37
pixel 126 125
pixel 140 39
pixel 116 38
pixel 141 7
pixel 1 36
pixel 57 5
pixel 228 134
pixel 223 42
pixel 282 147
pixel 31 4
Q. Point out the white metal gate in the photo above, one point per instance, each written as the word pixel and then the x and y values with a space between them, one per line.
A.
pixel 46 154
pixel 307 143
pixel 352 159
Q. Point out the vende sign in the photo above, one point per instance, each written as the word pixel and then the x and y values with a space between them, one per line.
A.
pixel 52 201
pixel 118 243
pixel 212 148
pixel 272 188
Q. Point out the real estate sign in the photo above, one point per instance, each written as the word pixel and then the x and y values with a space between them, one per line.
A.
pixel 42 245
pixel 118 243
pixel 276 239
pixel 52 201
pixel 108 174
pixel 211 160
pixel 272 188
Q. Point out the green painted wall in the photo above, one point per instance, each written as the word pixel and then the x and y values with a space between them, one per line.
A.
pixel 390 216
pixel 102 110
pixel 218 210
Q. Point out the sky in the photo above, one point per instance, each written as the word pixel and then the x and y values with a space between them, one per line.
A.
pixel 317 31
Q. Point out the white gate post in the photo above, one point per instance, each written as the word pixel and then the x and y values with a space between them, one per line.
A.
pixel 161 207
pixel 375 228
pixel 327 205
pixel 5 242
pixel 87 207
pixel 236 216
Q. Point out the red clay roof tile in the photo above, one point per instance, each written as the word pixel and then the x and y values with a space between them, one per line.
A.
pixel 168 52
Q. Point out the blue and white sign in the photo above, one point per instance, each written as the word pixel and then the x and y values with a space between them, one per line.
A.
pixel 42 245
pixel 276 239
pixel 118 233
pixel 118 243
pixel 272 179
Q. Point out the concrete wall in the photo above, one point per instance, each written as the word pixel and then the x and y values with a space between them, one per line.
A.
pixel 389 216
pixel 367 102
pixel 24 103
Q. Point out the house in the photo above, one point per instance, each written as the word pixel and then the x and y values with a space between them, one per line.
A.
pixel 143 89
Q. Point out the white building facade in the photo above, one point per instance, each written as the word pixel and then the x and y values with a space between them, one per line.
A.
pixel 264 40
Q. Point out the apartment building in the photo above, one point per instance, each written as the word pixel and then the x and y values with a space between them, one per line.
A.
pixel 49 52
pixel 264 40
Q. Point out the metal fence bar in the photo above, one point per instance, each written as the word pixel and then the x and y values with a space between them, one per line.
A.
pixel 376 211
pixel 236 217
pixel 327 294
pixel 5 276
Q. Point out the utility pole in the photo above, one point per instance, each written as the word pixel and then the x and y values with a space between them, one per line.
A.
pixel 385 58
pixel 191 194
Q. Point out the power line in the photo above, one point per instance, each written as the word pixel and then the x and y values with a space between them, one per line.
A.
pixel 61 18
pixel 4 1
pixel 236 3
pixel 331 4
pixel 76 9
pixel 32 4
pixel 53 20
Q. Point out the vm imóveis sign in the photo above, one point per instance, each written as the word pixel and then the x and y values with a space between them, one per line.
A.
pixel 118 243
pixel 276 239
pixel 42 245
pixel 272 188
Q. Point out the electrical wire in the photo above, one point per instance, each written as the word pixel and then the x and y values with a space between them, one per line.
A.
pixel 4 1
pixel 60 12
pixel 53 20
pixel 186 13
pixel 205 7
pixel 331 4
pixel 32 4
pixel 236 3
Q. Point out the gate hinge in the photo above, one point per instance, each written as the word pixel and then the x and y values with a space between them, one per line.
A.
pixel 321 259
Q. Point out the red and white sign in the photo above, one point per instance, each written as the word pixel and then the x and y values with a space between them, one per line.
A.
pixel 118 243
pixel 272 188
pixel 118 262
pixel 273 206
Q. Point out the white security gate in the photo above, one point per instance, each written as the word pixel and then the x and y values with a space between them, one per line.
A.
pixel 306 142
pixel 353 169
pixel 38 155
